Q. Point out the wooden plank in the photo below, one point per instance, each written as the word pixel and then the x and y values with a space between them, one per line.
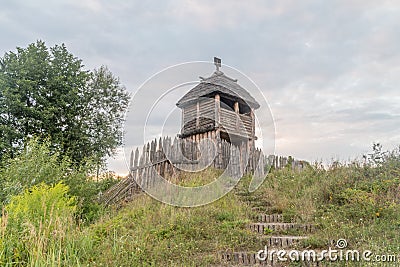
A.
pixel 135 163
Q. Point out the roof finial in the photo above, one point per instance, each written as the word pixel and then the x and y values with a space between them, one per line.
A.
pixel 217 63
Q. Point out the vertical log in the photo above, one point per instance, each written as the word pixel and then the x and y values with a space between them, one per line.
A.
pixel 194 147
pixel 131 161
pixel 218 130
pixel 135 165
pixel 147 161
pixel 213 138
pixel 174 150
pixel 142 164
pixel 219 151
pixel 236 108
pixel 183 121
pixel 159 150
pixel 217 110
pixel 253 128
pixel 197 114
pixel 153 150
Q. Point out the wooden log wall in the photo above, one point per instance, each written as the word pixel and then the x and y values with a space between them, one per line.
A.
pixel 199 117
pixel 236 123
pixel 168 156
pixel 279 162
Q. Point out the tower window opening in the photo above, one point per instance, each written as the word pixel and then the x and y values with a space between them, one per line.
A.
pixel 227 104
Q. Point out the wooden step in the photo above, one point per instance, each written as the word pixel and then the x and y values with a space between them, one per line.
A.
pixel 282 241
pixel 250 259
pixel 259 208
pixel 278 226
pixel 243 258
pixel 269 218
pixel 264 209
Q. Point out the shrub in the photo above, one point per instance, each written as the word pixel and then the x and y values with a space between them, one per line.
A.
pixel 38 164
pixel 35 225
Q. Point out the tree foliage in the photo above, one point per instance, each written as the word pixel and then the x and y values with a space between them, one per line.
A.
pixel 46 92
pixel 37 164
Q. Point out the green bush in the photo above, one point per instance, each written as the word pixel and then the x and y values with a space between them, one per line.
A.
pixel 35 226
pixel 38 164
pixel 224 216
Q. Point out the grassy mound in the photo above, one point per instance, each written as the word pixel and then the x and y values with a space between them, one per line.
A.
pixel 357 202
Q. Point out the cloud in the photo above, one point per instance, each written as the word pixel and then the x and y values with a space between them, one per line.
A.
pixel 330 70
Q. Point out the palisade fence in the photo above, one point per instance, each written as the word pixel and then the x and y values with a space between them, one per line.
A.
pixel 167 158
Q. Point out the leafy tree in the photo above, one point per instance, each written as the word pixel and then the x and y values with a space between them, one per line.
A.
pixel 104 113
pixel 46 92
pixel 22 76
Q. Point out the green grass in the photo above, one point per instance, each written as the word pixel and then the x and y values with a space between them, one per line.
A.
pixel 354 201
pixel 343 201
pixel 357 202
pixel 146 232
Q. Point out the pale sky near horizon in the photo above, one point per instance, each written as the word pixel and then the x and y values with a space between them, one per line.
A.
pixel 329 69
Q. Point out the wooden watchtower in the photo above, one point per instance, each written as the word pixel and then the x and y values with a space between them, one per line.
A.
pixel 218 108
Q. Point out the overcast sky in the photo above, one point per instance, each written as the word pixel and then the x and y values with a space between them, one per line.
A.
pixel 330 70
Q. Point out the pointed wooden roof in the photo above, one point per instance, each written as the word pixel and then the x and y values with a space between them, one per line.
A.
pixel 218 82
